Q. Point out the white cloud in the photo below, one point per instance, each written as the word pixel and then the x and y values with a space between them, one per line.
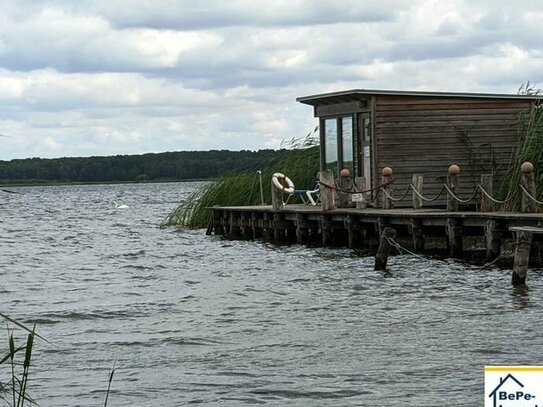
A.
pixel 97 77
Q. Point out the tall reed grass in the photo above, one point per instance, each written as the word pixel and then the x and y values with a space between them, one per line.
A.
pixel 301 165
pixel 529 148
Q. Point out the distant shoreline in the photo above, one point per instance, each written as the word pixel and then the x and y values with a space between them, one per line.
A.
pixel 36 183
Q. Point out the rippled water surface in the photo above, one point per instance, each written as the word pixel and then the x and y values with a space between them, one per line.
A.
pixel 196 319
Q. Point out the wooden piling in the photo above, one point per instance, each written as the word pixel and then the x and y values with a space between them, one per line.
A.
pixel 488 185
pixel 522 256
pixel 454 237
pixel 493 236
pixel 418 235
pixel 528 182
pixel 381 257
pixel 417 185
pixel 277 198
pixel 279 228
pixel 326 193
pixel 454 185
pixel 302 230
pixel 326 231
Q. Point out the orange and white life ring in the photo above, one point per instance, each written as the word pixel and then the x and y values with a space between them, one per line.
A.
pixel 277 178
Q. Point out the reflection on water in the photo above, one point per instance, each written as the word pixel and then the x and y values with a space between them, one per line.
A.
pixel 196 319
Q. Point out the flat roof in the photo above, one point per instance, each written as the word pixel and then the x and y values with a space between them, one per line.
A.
pixel 357 94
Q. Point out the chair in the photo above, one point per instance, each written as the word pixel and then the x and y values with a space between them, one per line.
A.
pixel 308 196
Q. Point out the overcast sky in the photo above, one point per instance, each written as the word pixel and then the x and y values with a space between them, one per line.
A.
pixel 105 77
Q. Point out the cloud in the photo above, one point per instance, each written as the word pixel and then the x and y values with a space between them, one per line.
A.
pixel 97 77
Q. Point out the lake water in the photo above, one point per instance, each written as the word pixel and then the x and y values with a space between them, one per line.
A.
pixel 191 319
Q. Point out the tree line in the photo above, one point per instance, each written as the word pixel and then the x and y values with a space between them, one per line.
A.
pixel 180 165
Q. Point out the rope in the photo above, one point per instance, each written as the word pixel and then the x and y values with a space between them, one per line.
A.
pixel 457 198
pixel 400 248
pixel 396 199
pixel 530 196
pixel 424 198
pixel 348 191
pixel 513 195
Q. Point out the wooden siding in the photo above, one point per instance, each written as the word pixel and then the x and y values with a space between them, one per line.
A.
pixel 424 135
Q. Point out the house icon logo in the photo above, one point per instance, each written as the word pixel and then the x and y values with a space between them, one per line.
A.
pixel 513 386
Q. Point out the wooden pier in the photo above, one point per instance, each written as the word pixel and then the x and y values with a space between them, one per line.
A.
pixel 359 227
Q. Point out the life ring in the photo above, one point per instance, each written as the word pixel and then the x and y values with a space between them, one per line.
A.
pixel 289 189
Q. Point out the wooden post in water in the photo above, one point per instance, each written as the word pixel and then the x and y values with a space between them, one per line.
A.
pixel 328 202
pixel 522 254
pixel 417 186
pixel 277 198
pixel 528 182
pixel 360 183
pixel 344 185
pixel 453 184
pixel 387 186
pixel 487 183
pixel 381 257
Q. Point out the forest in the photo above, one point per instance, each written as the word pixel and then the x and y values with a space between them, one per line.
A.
pixel 168 166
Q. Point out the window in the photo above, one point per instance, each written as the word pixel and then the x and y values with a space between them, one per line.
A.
pixel 338 144
pixel 331 145
pixel 347 143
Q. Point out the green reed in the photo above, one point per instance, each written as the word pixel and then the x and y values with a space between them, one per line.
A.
pixel 529 148
pixel 301 165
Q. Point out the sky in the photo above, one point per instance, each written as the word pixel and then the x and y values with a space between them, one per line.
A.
pixel 108 77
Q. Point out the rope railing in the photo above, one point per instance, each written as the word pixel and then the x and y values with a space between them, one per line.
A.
pixel 497 201
pixel 423 197
pixel 530 195
pixel 450 188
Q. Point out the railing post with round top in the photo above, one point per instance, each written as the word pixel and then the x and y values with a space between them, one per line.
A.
pixel 344 185
pixel 528 182
pixel 453 184
pixel 387 187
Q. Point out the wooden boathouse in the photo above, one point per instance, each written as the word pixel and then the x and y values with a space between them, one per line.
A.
pixel 409 167
pixel 417 132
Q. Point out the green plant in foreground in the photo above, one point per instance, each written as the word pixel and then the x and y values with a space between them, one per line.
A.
pixel 301 165
pixel 14 390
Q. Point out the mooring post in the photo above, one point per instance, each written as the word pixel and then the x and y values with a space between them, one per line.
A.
pixel 453 184
pixel 417 186
pixel 522 257
pixel 360 183
pixel 326 179
pixel 381 257
pixel 528 182
pixel 344 185
pixel 386 181
pixel 488 185
pixel 277 198
pixel 493 240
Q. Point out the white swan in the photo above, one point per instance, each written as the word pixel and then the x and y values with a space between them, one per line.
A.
pixel 117 206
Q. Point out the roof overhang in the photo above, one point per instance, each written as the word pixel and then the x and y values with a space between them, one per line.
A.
pixel 363 94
